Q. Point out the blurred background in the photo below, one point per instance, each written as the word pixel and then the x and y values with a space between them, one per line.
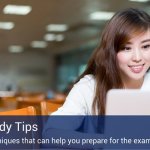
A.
pixel 45 45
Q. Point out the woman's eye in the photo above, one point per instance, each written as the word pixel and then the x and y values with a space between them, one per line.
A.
pixel 146 46
pixel 126 48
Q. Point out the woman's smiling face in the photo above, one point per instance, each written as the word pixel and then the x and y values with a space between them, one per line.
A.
pixel 134 58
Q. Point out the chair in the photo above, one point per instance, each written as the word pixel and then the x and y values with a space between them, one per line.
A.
pixel 21 103
pixel 21 112
pixel 47 107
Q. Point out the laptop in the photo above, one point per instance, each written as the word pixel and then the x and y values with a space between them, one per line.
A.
pixel 127 118
pixel 127 102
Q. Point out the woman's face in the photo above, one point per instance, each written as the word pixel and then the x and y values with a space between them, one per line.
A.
pixel 134 57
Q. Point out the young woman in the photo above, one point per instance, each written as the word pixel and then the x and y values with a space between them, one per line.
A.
pixel 121 61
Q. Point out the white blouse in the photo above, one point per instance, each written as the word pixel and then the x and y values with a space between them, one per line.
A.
pixel 80 99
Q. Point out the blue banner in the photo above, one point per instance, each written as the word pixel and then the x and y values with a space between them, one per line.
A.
pixel 75 132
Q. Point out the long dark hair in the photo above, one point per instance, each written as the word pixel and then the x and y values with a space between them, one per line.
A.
pixel 103 63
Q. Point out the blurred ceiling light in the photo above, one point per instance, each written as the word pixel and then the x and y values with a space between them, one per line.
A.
pixel 59 37
pixel 101 15
pixel 15 49
pixel 57 27
pixel 142 1
pixel 6 25
pixel 54 37
pixel 17 9
pixel 50 37
pixel 38 44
